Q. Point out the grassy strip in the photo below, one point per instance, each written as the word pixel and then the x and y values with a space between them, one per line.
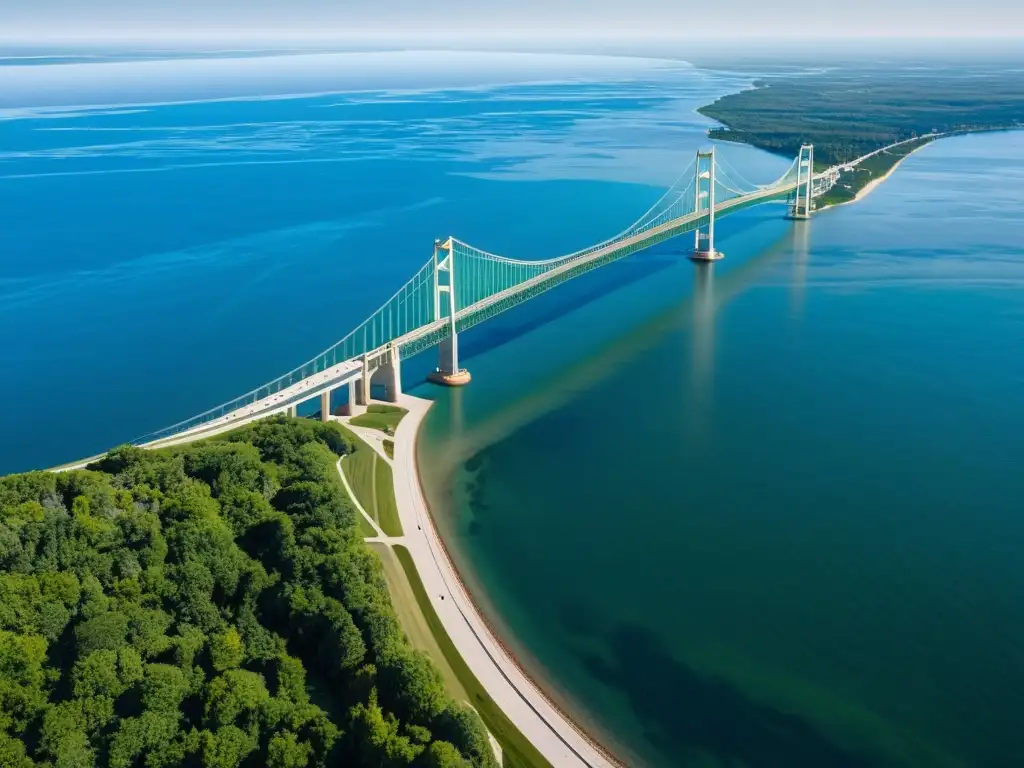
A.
pixel 387 507
pixel 359 471
pixel 389 448
pixel 518 751
pixel 371 481
pixel 413 622
pixel 382 417
pixel 365 529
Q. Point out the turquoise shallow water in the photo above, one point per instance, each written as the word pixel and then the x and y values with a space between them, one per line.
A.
pixel 767 513
pixel 762 514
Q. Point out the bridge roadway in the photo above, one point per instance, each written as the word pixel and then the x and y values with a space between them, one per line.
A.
pixel 280 402
pixel 629 244
pixel 350 371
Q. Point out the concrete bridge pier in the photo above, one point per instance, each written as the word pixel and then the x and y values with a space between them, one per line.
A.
pixel 361 388
pixel 325 405
pixel 388 372
pixel 354 388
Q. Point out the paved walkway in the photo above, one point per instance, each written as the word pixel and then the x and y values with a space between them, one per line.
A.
pixel 390 541
pixel 551 732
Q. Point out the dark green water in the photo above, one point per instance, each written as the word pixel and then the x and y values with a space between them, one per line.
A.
pixel 768 513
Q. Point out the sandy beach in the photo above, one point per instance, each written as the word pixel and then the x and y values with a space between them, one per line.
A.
pixel 872 185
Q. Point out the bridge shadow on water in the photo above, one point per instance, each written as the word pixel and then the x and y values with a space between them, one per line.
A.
pixel 570 297
pixel 546 308
pixel 694 314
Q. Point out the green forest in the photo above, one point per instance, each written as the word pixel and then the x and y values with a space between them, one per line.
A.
pixel 211 605
pixel 851 110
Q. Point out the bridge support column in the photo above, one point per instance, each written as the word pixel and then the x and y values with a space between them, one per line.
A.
pixel 802 203
pixel 448 371
pixel 389 373
pixel 448 355
pixel 704 199
pixel 325 405
pixel 293 410
pixel 362 386
pixel 354 408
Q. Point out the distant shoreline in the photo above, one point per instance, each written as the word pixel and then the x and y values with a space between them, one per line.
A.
pixel 876 182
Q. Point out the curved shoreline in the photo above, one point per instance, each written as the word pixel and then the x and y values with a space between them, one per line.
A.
pixel 876 182
pixel 544 723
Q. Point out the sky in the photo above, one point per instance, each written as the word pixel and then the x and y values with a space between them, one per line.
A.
pixel 439 21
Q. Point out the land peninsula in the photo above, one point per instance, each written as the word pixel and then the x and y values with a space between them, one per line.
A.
pixel 858 113
pixel 275 595
pixel 212 605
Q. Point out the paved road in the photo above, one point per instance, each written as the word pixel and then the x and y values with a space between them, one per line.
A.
pixel 534 715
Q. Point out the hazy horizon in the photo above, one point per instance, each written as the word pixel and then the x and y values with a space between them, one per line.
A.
pixel 544 21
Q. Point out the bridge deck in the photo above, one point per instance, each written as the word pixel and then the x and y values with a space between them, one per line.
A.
pixel 351 370
pixel 329 379
pixel 626 245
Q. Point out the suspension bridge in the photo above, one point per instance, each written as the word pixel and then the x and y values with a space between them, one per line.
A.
pixel 462 286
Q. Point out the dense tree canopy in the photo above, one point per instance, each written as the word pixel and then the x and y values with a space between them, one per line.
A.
pixel 210 605
pixel 847 111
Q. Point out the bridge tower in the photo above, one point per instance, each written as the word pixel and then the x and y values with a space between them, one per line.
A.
pixel 801 205
pixel 704 199
pixel 448 371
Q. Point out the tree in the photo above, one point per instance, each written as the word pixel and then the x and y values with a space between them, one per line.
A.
pixel 286 751
pixel 97 675
pixel 163 688
pixel 108 631
pixel 137 735
pixel 23 679
pixel 411 684
pixel 37 604
pixel 463 727
pixel 227 747
pixel 74 751
pixel 441 754
pixel 61 723
pixel 236 697
pixel 12 753
pixel 226 649
pixel 377 737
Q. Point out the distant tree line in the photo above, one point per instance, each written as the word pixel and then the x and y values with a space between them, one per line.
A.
pixel 212 606
pixel 850 111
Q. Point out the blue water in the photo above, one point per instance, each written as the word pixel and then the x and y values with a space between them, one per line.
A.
pixel 176 232
pixel 767 512
pixel 763 513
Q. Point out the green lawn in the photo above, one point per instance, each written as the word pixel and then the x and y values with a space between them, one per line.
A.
pixel 358 468
pixel 413 622
pixel 382 417
pixel 387 508
pixel 389 448
pixel 371 481
pixel 518 751
pixel 365 529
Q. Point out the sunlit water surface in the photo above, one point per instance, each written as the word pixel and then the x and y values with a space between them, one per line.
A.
pixel 768 512
pixel 763 513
